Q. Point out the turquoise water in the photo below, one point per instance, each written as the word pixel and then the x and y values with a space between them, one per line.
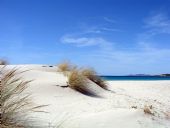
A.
pixel 142 78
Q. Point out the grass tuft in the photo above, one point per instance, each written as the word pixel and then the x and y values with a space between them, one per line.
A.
pixel 148 110
pixel 64 66
pixel 92 75
pixel 13 102
pixel 79 82
pixel 3 62
pixel 78 78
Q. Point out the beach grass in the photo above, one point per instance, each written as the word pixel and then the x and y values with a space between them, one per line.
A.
pixel 13 102
pixel 76 80
pixel 78 77
pixel 3 62
pixel 65 66
pixel 79 82
pixel 148 110
pixel 92 75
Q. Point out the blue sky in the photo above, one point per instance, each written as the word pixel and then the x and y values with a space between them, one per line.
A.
pixel 115 37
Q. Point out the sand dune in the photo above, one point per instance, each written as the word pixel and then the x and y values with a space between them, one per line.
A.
pixel 110 110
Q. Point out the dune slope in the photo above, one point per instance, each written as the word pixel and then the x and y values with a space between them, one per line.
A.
pixel 123 107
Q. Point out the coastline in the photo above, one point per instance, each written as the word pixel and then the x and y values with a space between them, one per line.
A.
pixel 136 78
pixel 121 107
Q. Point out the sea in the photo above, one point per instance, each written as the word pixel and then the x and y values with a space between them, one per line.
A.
pixel 135 78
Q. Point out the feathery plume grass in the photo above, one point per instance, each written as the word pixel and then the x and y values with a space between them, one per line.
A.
pixel 14 104
pixel 92 75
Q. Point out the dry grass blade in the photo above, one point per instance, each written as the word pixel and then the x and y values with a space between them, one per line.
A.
pixel 13 102
pixel 92 75
pixel 3 62
pixel 78 82
pixel 65 67
pixel 148 110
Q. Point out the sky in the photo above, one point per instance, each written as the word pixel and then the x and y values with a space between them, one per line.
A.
pixel 115 37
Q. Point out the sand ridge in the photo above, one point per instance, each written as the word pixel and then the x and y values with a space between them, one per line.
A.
pixel 112 109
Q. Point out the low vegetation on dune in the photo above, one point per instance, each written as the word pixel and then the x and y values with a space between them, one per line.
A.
pixel 64 67
pixel 3 62
pixel 78 82
pixel 78 77
pixel 14 104
pixel 92 75
pixel 148 110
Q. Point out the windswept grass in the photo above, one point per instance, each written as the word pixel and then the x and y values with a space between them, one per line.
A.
pixel 148 110
pixel 92 75
pixel 65 66
pixel 13 102
pixel 78 82
pixel 78 77
pixel 3 62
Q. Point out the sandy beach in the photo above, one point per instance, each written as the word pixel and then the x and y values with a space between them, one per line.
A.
pixel 84 63
pixel 121 107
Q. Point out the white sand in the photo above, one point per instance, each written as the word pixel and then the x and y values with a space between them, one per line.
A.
pixel 110 110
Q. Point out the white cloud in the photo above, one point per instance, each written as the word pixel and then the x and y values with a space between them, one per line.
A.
pixel 109 20
pixel 153 26
pixel 86 41
pixel 107 51
pixel 99 30
pixel 143 54
pixel 111 29
pixel 92 29
pixel 145 46
pixel 159 23
pixel 81 41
